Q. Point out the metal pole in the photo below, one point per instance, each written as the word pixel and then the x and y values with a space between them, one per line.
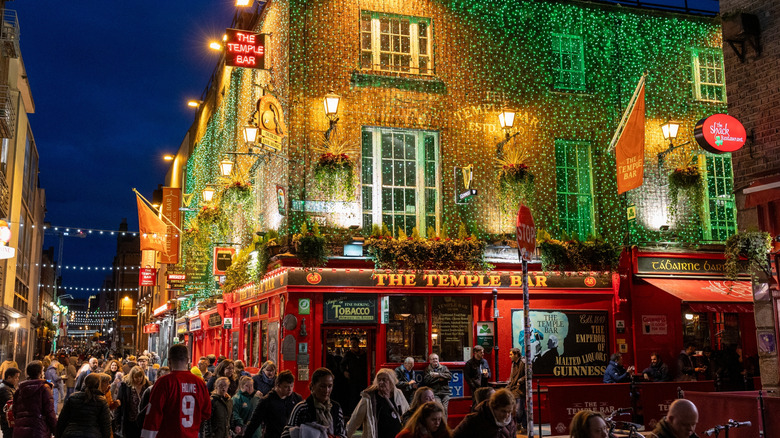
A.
pixel 495 332
pixel 529 388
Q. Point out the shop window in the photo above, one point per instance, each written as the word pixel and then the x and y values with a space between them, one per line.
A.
pixel 709 81
pixel 568 62
pixel 407 329
pixel 696 329
pixel 451 327
pixel 720 205
pixel 263 343
pixel 574 188
pixel 400 179
pixel 395 43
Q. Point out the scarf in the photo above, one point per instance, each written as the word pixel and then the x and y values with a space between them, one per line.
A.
pixel 324 417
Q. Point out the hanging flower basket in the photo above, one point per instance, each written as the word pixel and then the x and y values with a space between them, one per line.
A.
pixel 237 192
pixel 310 247
pixel 689 182
pixel 754 247
pixel 335 175
pixel 209 215
pixel 515 183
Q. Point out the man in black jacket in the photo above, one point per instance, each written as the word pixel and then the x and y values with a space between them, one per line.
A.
pixel 477 371
pixel 274 408
pixel 7 389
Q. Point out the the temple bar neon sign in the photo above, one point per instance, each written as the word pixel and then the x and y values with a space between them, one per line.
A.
pixel 244 49
pixel 719 134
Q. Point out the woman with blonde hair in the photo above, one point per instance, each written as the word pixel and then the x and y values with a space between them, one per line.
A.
pixel 380 407
pixel 427 421
pixel 8 364
pixel 130 392
pixel 219 425
pixel 264 380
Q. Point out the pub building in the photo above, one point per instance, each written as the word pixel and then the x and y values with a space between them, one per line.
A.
pixel 455 98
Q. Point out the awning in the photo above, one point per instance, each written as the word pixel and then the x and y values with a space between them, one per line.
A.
pixel 709 295
pixel 763 191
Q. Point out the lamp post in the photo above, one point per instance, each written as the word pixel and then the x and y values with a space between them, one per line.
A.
pixel 208 194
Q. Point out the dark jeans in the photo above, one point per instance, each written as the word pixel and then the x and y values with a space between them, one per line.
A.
pixel 520 417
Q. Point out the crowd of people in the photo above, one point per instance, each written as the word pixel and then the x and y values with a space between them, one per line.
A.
pixel 135 397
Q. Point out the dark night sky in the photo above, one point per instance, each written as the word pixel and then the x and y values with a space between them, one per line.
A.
pixel 110 81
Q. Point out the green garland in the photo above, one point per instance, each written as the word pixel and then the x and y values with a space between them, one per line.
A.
pixel 576 255
pixel 420 254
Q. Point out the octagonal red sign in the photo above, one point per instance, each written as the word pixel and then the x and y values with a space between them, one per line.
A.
pixel 526 233
pixel 720 133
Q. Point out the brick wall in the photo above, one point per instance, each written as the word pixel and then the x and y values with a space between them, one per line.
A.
pixel 753 88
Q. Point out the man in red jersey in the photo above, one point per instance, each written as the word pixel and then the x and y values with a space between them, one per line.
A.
pixel 179 402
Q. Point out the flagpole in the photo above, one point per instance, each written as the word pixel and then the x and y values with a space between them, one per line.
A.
pixel 627 113
pixel 170 222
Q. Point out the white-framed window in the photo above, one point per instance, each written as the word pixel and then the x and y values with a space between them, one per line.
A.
pixel 396 43
pixel 568 62
pixel 400 179
pixel 709 80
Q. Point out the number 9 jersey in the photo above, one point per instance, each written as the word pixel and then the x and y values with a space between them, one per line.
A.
pixel 178 405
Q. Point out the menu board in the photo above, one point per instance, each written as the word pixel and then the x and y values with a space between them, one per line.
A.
pixel 452 327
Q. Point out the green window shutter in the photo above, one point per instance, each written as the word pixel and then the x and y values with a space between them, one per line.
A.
pixel 574 188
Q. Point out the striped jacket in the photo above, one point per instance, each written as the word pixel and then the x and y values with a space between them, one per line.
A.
pixel 304 412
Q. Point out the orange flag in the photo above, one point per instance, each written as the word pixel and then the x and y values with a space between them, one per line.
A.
pixel 151 227
pixel 630 148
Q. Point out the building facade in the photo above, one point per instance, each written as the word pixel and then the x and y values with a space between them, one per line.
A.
pixel 21 200
pixel 424 90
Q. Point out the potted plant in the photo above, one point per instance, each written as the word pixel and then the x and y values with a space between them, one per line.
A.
pixel 310 247
pixel 237 192
pixel 334 170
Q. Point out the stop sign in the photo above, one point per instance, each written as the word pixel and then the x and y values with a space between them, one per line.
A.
pixel 526 233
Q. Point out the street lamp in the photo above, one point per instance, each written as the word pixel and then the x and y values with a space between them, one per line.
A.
pixel 215 46
pixel 331 102
pixel 506 118
pixel 226 167
pixel 194 103
pixel 168 157
pixel 669 129
pixel 250 131
pixel 208 194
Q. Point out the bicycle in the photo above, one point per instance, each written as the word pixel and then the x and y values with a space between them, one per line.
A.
pixel 622 427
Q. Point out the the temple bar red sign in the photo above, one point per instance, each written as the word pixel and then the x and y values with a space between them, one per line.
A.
pixel 244 49
pixel 147 277
pixel 719 134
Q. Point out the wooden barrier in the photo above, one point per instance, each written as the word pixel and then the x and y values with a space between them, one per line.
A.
pixel 719 407
pixel 650 400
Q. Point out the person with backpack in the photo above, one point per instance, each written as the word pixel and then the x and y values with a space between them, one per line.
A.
pixel 86 413
pixel 33 408
pixel 7 389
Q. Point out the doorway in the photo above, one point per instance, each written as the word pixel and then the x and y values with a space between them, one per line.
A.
pixel 337 343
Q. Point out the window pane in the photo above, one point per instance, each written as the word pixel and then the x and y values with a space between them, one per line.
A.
pixel 407 329
pixel 451 327
pixel 368 197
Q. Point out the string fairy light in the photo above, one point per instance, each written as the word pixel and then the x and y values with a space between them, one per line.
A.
pixel 90 268
pixel 617 46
